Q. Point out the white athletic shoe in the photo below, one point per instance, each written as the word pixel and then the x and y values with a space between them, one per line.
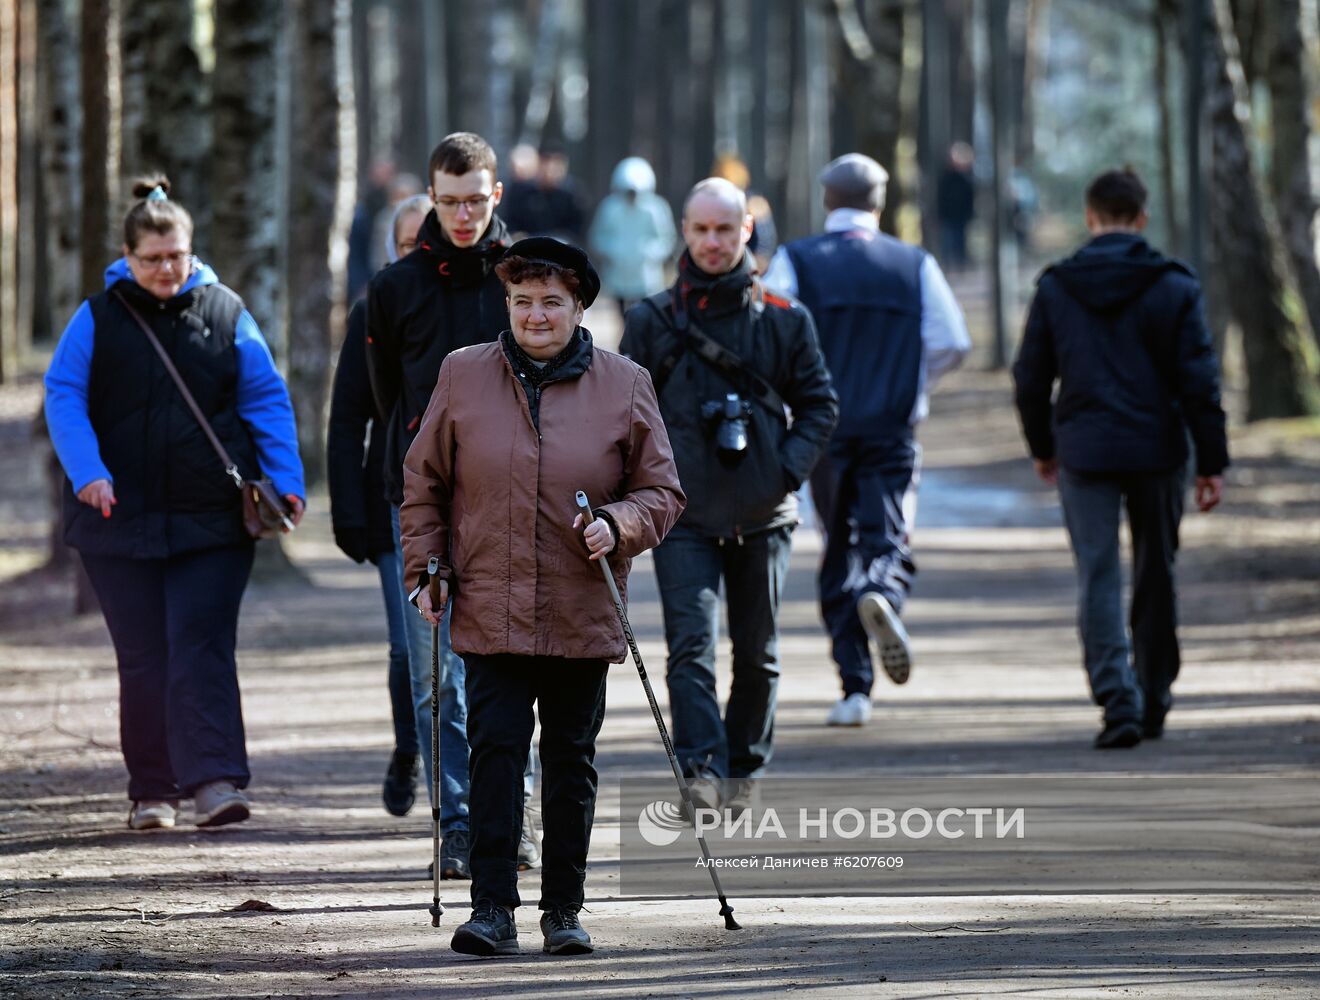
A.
pixel 886 630
pixel 152 815
pixel 855 710
pixel 218 802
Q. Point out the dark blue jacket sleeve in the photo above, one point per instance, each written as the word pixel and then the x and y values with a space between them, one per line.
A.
pixel 1034 373
pixel 351 412
pixel 1198 389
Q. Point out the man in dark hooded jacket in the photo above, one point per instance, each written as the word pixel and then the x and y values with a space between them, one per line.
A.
pixel 1122 329
pixel 442 296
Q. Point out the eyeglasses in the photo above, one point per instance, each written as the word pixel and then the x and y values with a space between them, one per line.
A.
pixel 155 261
pixel 473 205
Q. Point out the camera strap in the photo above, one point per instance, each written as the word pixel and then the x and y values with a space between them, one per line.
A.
pixel 717 356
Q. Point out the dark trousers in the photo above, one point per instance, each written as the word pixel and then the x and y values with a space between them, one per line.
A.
pixel 1127 688
pixel 688 568
pixel 865 491
pixel 570 697
pixel 174 625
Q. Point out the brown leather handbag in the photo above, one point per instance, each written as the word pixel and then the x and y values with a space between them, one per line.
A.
pixel 265 512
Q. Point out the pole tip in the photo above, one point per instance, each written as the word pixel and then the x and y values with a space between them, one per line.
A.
pixel 436 909
pixel 726 911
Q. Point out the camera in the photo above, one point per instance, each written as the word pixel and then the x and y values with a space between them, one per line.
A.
pixel 727 419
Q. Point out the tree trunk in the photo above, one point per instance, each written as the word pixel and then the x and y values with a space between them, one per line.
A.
pixel 871 74
pixel 1164 14
pixel 1260 296
pixel 8 191
pixel 61 162
pixel 1291 85
pixel 99 168
pixel 245 181
pixel 317 223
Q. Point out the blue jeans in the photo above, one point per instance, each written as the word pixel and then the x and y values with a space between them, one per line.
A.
pixel 689 567
pixel 453 703
pixel 400 682
pixel 1136 686
pixel 174 624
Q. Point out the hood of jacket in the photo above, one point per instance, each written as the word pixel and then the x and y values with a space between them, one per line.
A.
pixel 633 174
pixel 462 267
pixel 1112 270
pixel 201 275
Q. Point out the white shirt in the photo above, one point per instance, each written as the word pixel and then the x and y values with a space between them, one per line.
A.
pixel 944 338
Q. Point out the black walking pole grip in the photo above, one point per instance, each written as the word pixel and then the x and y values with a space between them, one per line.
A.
pixel 726 911
pixel 435 587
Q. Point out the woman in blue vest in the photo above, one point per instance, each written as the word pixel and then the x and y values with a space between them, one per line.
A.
pixel 149 506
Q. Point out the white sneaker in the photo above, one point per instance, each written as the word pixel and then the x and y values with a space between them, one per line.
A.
pixel 219 802
pixel 886 630
pixel 152 815
pixel 705 791
pixel 855 710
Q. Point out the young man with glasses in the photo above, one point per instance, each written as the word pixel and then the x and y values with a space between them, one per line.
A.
pixel 442 296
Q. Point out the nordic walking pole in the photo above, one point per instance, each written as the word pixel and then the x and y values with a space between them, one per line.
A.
pixel 439 590
pixel 726 911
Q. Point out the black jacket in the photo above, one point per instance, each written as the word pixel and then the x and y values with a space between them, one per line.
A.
pixel 172 491
pixel 1122 328
pixel 437 299
pixel 354 452
pixel 776 338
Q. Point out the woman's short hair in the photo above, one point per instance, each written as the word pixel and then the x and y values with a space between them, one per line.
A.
pixel 516 270
pixel 154 215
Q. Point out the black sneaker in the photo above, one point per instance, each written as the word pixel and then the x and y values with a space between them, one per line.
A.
pixel 490 931
pixel 1119 735
pixel 563 933
pixel 1152 727
pixel 454 855
pixel 400 791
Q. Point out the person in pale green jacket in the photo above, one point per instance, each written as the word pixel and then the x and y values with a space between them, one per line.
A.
pixel 632 236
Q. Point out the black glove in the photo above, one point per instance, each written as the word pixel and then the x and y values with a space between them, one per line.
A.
pixel 352 541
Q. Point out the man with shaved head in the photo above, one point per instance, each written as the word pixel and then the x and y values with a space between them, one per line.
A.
pixel 730 364
pixel 889 327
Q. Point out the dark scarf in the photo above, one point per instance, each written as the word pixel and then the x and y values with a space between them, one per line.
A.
pixel 462 267
pixel 712 294
pixel 571 362
pixel 575 354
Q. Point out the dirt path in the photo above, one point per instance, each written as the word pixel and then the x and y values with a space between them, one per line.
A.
pixel 88 909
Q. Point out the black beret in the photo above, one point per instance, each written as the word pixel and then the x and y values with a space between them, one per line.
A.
pixel 567 256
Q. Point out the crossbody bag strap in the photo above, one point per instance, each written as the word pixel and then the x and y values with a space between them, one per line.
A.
pixel 725 361
pixel 230 468
pixel 717 356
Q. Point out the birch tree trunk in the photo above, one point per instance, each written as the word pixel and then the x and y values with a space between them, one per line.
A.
pixel 61 161
pixel 321 120
pixel 245 181
pixel 1291 87
pixel 1260 296
pixel 871 74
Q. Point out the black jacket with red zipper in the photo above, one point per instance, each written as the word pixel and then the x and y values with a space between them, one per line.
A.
pixel 419 309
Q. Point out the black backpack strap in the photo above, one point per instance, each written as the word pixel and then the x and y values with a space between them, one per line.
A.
pixel 670 361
